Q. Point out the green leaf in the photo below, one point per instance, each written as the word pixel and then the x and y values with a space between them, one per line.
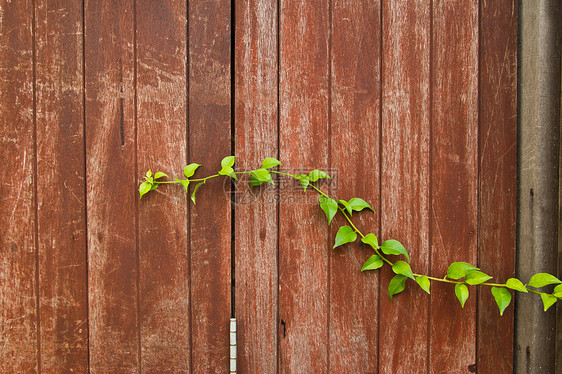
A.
pixel 189 170
pixel 358 204
pixel 149 173
pixel 543 279
pixel 184 183
pixel 345 235
pixel 260 176
pixel 270 162
pixel 195 190
pixel 374 262
pixel 394 247
pixel 346 206
pixel 329 206
pixel 371 239
pixel 144 188
pixel 424 283
pixel 503 298
pixel 227 162
pixel 304 180
pixel 154 185
pixel 402 267
pixel 461 290
pixel 516 284
pixel 476 277
pixel 558 291
pixel 228 171
pixel 396 285
pixel 160 175
pixel 457 270
pixel 548 300
pixel 314 175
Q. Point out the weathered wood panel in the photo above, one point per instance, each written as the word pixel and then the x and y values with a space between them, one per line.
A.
pixel 355 145
pixel 61 212
pixel 18 299
pixel 209 141
pixel 405 178
pixel 303 138
pixel 111 186
pixel 454 179
pixel 162 146
pixel 498 177
pixel 256 208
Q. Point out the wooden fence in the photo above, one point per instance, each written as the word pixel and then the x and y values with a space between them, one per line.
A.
pixel 410 103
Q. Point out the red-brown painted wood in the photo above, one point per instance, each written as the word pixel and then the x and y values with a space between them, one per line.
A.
pixel 256 208
pixel 61 214
pixel 112 184
pixel 498 177
pixel 162 146
pixel 454 179
pixel 304 133
pixel 18 296
pixel 405 179
pixel 209 141
pixel 355 141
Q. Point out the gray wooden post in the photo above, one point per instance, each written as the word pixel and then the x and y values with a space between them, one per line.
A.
pixel 539 161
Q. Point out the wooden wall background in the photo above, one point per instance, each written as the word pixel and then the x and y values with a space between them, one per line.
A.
pixel 412 103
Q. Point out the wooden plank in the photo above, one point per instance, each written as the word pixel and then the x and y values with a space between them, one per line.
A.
pixel 498 177
pixel 454 179
pixel 18 297
pixel 303 246
pixel 355 137
pixel 61 187
pixel 209 141
pixel 405 179
pixel 256 209
pixel 112 184
pixel 162 146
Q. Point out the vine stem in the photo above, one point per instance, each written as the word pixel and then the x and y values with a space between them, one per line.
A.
pixel 349 220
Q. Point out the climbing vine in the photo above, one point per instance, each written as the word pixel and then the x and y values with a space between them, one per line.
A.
pixel 459 274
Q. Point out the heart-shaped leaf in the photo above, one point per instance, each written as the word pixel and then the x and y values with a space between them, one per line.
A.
pixel 516 284
pixel 548 300
pixel 394 247
pixel 402 267
pixel 270 162
pixel 329 206
pixel 189 170
pixel 345 235
pixel 457 270
pixel 358 204
pixel 423 282
pixel 396 285
pixel 543 279
pixel 476 277
pixel 374 262
pixel 371 239
pixel 314 175
pixel 503 298
pixel 461 290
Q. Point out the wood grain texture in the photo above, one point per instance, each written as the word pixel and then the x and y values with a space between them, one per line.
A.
pixel 355 144
pixel 18 296
pixel 498 177
pixel 209 141
pixel 303 247
pixel 162 146
pixel 454 179
pixel 60 187
pixel 405 178
pixel 256 208
pixel 112 184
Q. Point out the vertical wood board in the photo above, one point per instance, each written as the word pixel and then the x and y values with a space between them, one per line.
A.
pixel 111 186
pixel 256 209
pixel 61 186
pixel 18 298
pixel 162 146
pixel 355 165
pixel 209 141
pixel 405 179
